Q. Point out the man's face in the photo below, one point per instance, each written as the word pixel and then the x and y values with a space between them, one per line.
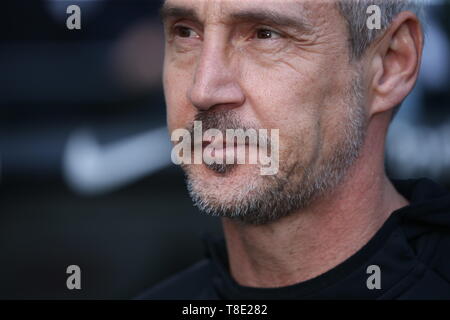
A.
pixel 264 64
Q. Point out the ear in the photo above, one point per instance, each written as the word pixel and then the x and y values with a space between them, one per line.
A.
pixel 395 63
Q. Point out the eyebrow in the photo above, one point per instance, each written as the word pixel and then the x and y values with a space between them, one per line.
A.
pixel 272 18
pixel 168 11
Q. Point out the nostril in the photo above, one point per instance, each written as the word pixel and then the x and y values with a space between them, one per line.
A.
pixel 215 85
pixel 220 98
pixel 200 100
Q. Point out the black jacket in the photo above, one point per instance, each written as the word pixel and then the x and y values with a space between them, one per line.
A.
pixel 412 250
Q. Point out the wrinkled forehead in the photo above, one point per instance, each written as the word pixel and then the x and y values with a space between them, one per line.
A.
pixel 312 12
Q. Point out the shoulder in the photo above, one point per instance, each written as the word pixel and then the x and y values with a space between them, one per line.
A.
pixel 192 283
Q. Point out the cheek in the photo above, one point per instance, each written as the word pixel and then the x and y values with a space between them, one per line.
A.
pixel 285 106
pixel 296 101
pixel 283 97
pixel 176 83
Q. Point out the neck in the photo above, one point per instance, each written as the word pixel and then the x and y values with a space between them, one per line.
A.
pixel 306 244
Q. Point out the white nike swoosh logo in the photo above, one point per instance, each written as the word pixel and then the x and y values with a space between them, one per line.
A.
pixel 90 168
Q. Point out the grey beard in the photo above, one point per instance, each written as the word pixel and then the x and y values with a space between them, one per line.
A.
pixel 280 195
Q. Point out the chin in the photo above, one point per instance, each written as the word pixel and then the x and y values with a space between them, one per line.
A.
pixel 224 184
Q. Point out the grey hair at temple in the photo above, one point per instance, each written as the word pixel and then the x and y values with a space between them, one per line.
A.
pixel 354 11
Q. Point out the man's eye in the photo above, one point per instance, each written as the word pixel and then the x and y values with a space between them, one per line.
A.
pixel 267 34
pixel 185 32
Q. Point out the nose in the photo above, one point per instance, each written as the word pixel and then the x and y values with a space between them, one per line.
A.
pixel 215 81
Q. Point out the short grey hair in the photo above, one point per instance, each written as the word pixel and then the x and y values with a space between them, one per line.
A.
pixel 355 13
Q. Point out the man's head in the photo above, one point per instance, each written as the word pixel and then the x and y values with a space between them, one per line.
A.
pixel 304 67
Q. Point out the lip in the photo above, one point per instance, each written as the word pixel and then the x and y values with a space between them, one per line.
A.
pixel 224 144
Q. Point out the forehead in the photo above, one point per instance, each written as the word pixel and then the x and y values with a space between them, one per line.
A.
pixel 312 11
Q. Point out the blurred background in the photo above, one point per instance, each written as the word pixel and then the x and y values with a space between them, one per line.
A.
pixel 85 171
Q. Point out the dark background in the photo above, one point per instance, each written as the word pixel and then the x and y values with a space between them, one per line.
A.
pixel 85 175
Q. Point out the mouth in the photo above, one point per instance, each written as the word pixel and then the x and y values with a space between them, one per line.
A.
pixel 222 148
pixel 223 144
